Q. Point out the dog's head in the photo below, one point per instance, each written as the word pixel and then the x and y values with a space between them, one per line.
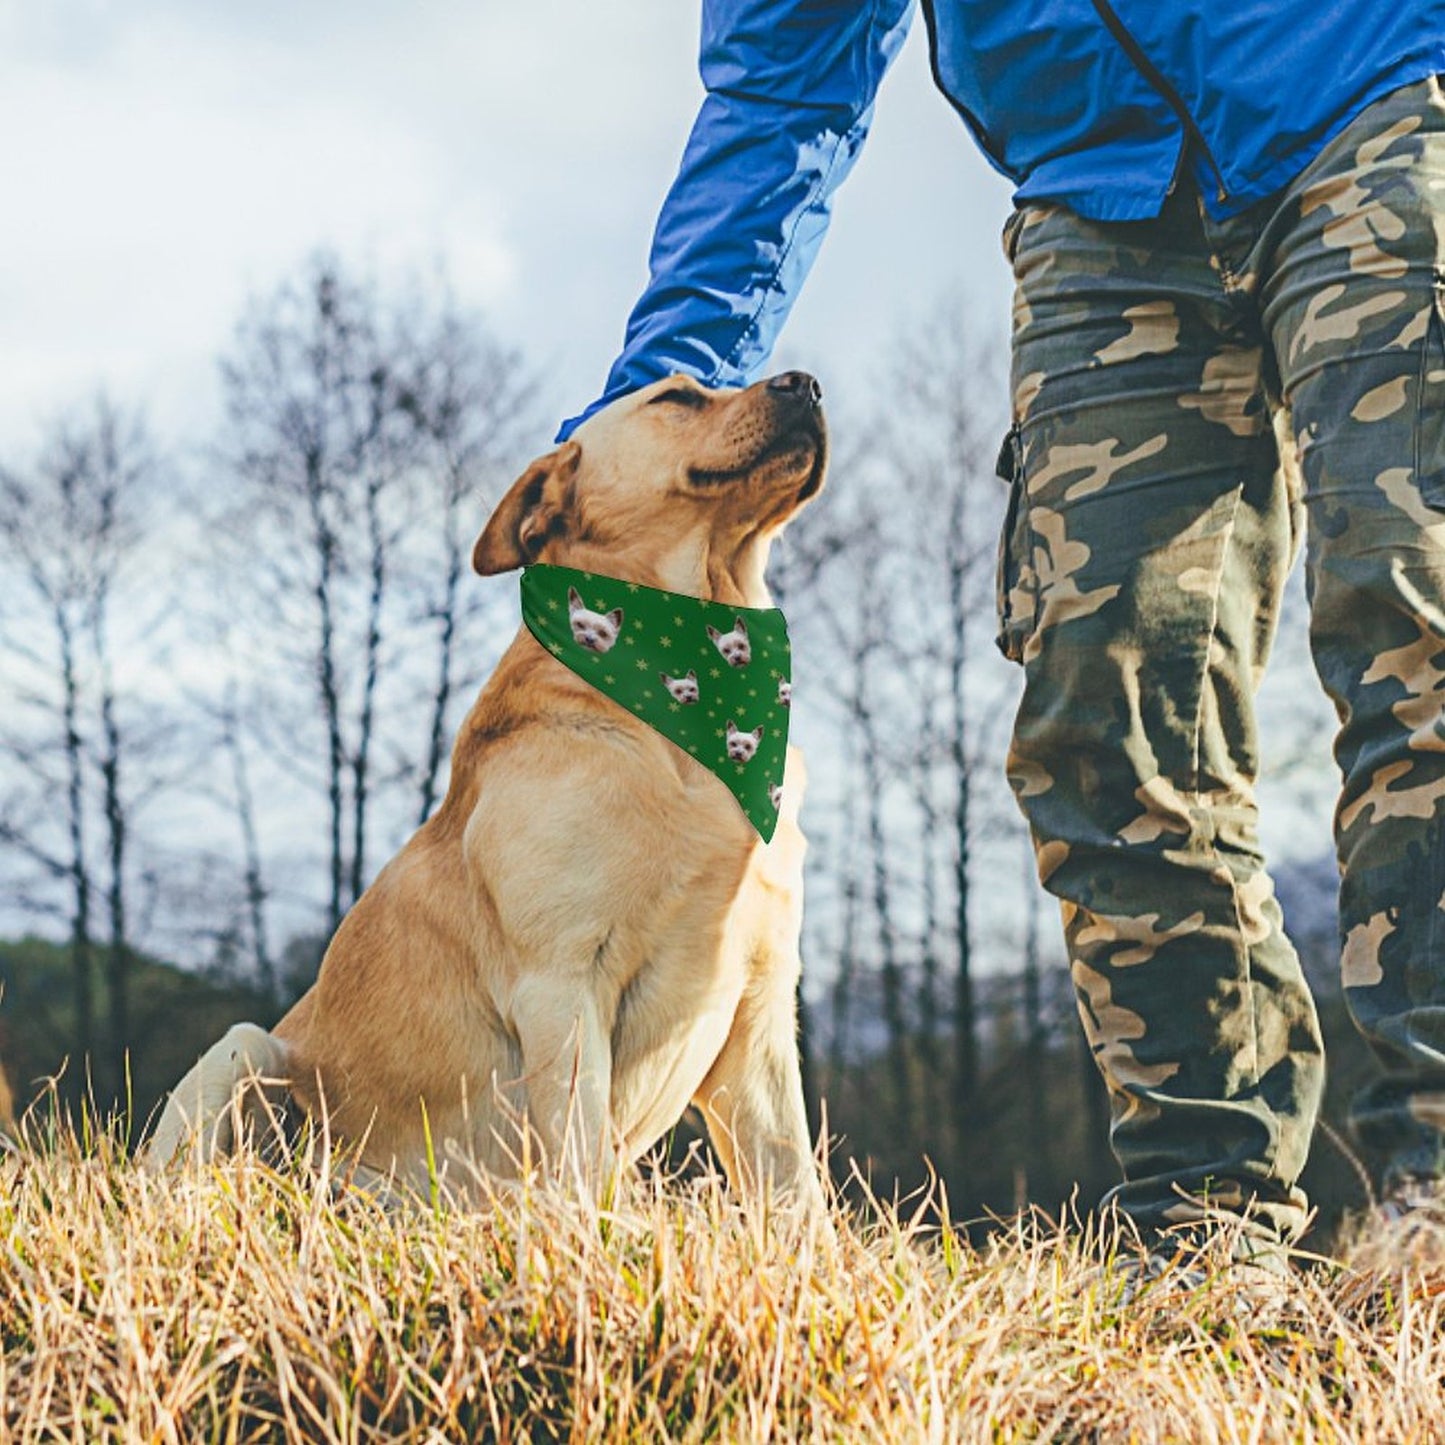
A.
pixel 675 486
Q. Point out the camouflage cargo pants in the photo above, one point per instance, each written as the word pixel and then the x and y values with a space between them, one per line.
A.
pixel 1150 533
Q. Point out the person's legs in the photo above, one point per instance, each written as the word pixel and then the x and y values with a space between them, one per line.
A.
pixel 1141 585
pixel 1354 303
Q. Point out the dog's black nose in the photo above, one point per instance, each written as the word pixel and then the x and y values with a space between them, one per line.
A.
pixel 797 384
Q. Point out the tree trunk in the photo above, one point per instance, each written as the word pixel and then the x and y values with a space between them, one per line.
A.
pixel 361 761
pixel 118 955
pixel 326 677
pixel 928 971
pixel 842 992
pixel 441 698
pixel 895 1014
pixel 965 1028
pixel 80 945
pixel 255 883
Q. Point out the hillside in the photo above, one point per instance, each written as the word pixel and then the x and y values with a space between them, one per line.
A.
pixel 173 1016
pixel 249 1305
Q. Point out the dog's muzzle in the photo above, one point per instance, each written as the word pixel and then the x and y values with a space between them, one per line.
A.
pixel 800 394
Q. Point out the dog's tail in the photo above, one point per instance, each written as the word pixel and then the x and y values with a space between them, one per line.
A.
pixel 238 1086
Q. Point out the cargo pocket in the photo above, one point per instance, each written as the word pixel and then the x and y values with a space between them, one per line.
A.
pixel 1430 410
pixel 1015 582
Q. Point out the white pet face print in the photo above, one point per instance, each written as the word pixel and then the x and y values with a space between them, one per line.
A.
pixel 596 631
pixel 733 645
pixel 775 794
pixel 741 745
pixel 682 689
pixel 785 692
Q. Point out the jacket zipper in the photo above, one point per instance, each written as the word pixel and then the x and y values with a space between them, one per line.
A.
pixel 1155 77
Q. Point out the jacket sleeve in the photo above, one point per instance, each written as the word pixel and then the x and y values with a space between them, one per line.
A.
pixel 790 88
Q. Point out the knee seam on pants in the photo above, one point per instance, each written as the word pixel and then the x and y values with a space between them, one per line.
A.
pixel 1196 793
pixel 1196 741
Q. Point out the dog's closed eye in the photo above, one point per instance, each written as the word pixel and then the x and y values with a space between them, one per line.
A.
pixel 680 396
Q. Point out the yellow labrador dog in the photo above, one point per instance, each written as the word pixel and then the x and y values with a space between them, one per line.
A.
pixel 588 935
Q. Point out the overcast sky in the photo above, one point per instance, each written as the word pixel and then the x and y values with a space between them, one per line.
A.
pixel 165 158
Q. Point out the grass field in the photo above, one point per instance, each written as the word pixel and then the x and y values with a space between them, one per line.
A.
pixel 243 1303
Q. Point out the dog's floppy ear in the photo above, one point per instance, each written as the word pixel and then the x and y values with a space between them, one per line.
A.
pixel 533 509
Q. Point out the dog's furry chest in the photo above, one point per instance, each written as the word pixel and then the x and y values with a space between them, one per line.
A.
pixel 669 955
pixel 673 1015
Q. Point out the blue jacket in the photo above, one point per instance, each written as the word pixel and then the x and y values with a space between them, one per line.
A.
pixel 1097 104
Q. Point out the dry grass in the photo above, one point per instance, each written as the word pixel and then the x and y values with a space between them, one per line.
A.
pixel 246 1303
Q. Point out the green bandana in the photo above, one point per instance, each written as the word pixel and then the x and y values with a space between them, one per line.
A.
pixel 711 678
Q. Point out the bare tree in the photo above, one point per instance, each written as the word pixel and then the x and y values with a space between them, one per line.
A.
pixel 861 706
pixel 930 836
pixel 847 960
pixel 119 462
pixel 901 602
pixel 365 432
pixel 472 401
pixel 256 892
pixel 941 440
pixel 70 526
pixel 308 393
